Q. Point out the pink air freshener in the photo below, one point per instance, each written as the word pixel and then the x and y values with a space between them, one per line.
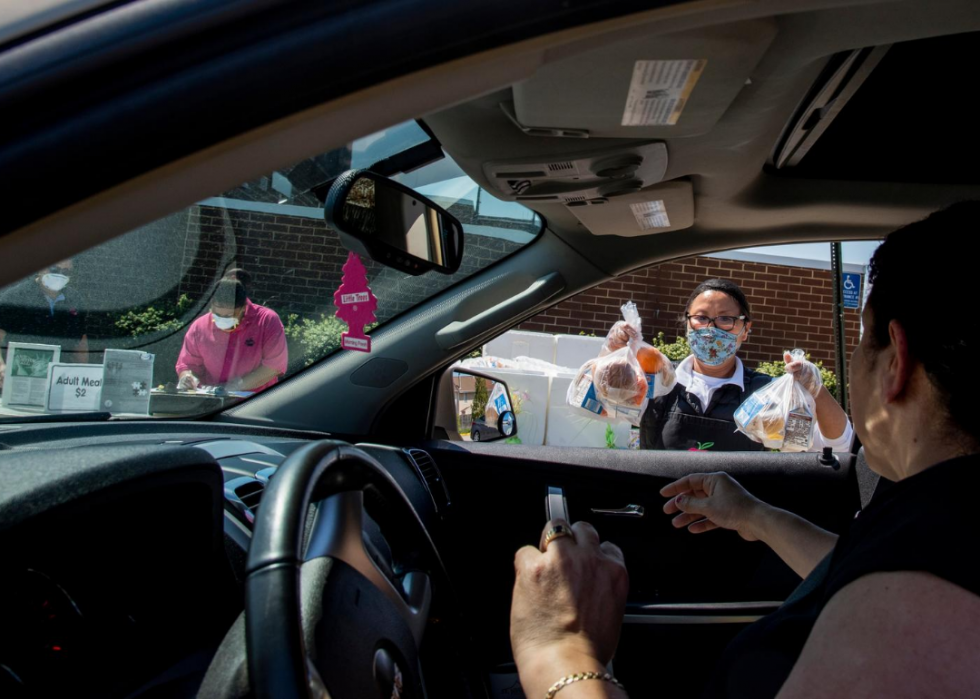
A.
pixel 355 305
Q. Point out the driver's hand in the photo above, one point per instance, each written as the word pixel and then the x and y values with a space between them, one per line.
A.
pixel 568 605
pixel 805 373
pixel 188 382
pixel 709 501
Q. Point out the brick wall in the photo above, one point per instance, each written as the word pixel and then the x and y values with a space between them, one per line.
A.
pixel 791 306
pixel 295 262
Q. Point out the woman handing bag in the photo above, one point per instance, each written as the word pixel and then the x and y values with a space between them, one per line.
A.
pixel 699 413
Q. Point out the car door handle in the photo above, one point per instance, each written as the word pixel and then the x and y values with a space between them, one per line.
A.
pixel 628 511
pixel 555 505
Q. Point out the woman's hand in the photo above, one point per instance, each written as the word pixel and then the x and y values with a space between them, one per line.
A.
pixel 569 598
pixel 619 336
pixel 805 373
pixel 709 501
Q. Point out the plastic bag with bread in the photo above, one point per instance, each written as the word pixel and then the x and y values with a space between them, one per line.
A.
pixel 620 384
pixel 627 374
pixel 628 333
pixel 780 416
pixel 623 398
pixel 581 396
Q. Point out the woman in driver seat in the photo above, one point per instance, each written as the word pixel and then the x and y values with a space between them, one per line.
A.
pixel 890 608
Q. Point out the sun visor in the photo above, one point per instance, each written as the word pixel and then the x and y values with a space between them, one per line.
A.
pixel 653 87
pixel 668 206
pixel 581 176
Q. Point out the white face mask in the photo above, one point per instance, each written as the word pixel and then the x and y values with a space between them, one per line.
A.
pixel 224 323
pixel 54 282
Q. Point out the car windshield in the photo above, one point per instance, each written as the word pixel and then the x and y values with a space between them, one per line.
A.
pixel 227 297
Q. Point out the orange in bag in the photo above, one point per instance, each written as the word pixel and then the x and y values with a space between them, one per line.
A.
pixel 651 361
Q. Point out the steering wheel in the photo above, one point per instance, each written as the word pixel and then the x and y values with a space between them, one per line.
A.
pixel 320 611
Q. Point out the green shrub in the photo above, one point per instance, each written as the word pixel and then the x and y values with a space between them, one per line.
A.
pixel 150 319
pixel 316 338
pixel 674 351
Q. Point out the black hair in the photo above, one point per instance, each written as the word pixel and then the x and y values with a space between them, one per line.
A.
pixel 726 286
pixel 229 293
pixel 927 249
pixel 241 275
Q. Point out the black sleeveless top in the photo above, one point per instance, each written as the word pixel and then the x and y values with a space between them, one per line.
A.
pixel 679 421
pixel 925 523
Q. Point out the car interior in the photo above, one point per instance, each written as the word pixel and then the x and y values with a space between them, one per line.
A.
pixel 160 557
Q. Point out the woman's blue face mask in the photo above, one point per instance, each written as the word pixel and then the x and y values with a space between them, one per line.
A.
pixel 711 346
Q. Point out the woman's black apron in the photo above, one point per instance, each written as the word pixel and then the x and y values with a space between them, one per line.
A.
pixel 677 421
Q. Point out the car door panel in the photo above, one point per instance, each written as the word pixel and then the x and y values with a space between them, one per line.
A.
pixel 709 584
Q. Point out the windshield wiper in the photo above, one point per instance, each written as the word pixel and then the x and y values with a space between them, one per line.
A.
pixel 67 417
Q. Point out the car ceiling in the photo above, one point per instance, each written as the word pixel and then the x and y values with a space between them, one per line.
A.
pixel 734 201
pixel 737 201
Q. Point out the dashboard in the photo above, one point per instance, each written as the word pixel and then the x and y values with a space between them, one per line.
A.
pixel 125 548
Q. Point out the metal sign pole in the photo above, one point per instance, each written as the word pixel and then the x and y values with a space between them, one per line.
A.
pixel 837 267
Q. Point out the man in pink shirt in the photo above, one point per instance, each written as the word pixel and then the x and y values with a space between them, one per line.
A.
pixel 239 345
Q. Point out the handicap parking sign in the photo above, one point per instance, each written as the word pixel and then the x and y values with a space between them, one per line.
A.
pixel 852 290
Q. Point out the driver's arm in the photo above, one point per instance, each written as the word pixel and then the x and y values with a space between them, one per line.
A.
pixel 800 543
pixel 706 501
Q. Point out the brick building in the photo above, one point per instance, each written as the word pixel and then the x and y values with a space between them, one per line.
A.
pixel 295 261
pixel 791 303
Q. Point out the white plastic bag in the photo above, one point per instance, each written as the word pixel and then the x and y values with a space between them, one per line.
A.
pixel 581 396
pixel 615 386
pixel 612 387
pixel 781 416
pixel 624 332
pixel 620 383
pixel 628 333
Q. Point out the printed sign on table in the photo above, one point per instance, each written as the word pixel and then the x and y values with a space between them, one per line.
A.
pixel 25 380
pixel 126 382
pixel 74 387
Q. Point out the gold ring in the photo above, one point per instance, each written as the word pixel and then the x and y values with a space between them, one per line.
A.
pixel 557 532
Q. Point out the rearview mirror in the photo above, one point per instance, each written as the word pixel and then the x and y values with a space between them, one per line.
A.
pixel 484 411
pixel 392 224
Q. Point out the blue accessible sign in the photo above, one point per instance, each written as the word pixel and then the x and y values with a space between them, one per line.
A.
pixel 852 289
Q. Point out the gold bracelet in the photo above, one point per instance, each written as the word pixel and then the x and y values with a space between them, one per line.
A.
pixel 578 677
